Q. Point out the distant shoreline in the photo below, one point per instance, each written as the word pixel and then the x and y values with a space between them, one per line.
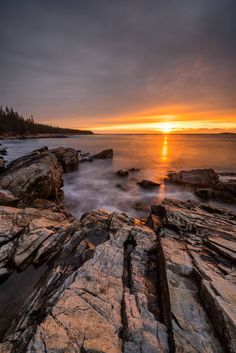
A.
pixel 40 136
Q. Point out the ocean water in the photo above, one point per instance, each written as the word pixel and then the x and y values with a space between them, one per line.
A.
pixel 94 185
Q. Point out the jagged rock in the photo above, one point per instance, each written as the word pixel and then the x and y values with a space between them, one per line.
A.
pixel 37 175
pixel 95 297
pixel 196 177
pixel 199 247
pixel 122 172
pixel 67 157
pixel 114 285
pixel 148 184
pixel 23 231
pixel 106 154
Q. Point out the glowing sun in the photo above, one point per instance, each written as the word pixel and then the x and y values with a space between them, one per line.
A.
pixel 166 128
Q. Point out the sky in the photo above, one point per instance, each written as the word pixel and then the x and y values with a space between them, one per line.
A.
pixel 121 66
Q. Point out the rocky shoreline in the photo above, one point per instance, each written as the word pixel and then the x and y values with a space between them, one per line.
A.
pixel 110 283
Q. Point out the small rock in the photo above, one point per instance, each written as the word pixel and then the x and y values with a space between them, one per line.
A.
pixel 106 154
pixel 123 172
pixel 148 184
pixel 3 151
pixel 134 170
pixel 122 187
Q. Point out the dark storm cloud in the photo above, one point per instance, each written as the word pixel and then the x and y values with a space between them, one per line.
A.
pixel 103 57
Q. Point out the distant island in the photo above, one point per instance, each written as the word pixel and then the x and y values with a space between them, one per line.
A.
pixel 14 125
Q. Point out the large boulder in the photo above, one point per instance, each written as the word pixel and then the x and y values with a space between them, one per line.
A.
pixel 196 177
pixel 38 175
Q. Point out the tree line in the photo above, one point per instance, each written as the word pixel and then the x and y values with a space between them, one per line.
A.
pixel 12 123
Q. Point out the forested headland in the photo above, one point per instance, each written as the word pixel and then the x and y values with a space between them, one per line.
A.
pixel 13 124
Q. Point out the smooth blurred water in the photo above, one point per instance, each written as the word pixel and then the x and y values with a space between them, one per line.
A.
pixel 94 184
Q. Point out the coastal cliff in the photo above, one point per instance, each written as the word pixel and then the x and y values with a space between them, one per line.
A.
pixel 107 282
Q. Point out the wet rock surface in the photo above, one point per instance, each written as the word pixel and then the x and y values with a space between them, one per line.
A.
pixel 113 284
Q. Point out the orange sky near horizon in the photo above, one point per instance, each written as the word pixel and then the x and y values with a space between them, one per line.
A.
pixel 173 119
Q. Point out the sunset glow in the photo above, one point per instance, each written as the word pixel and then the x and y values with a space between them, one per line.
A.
pixel 166 128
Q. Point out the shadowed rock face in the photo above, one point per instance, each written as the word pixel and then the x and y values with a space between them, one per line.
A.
pixel 115 285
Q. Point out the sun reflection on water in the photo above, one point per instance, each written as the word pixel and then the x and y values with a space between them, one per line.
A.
pixel 164 150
